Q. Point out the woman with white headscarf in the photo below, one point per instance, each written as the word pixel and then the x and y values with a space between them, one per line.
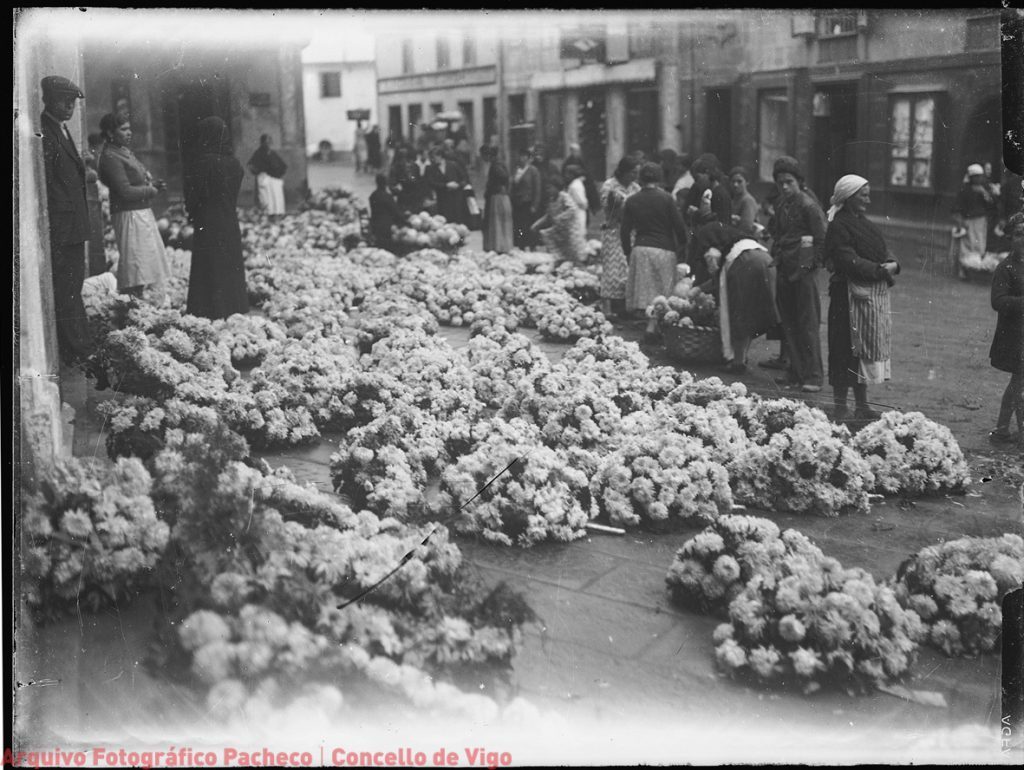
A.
pixel 859 316
pixel 976 202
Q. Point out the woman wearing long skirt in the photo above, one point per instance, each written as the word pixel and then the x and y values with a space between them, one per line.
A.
pixel 975 204
pixel 216 286
pixel 614 269
pixel 859 315
pixel 660 237
pixel 498 234
pixel 142 263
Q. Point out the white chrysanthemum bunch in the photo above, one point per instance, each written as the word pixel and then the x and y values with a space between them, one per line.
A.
pixel 499 362
pixel 713 567
pixel 305 312
pixel 957 588
pixel 714 426
pixel 137 426
pixel 406 444
pixel 91 536
pixel 249 337
pixel 658 476
pixel 266 414
pixel 433 376
pixel 314 373
pixel 808 468
pixel 583 284
pixel 569 320
pixel 911 455
pixel 383 312
pixel 696 309
pixel 541 496
pixel 571 411
pixel 810 622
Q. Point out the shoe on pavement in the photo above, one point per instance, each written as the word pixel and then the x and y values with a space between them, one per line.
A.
pixel 809 388
pixel 866 413
pixel 774 363
pixel 785 382
pixel 734 367
pixel 1001 436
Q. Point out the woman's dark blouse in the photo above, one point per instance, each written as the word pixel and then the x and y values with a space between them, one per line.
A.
pixel 653 215
pixel 855 250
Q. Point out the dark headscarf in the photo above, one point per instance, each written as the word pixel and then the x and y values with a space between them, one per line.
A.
pixel 212 137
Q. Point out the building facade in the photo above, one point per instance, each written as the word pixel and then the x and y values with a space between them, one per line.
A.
pixel 168 86
pixel 428 70
pixel 906 98
pixel 336 80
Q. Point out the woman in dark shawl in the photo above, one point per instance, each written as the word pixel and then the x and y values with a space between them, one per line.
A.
pixel 216 287
pixel 859 316
pixel 742 279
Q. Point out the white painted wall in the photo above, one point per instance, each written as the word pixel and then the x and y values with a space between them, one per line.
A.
pixel 325 117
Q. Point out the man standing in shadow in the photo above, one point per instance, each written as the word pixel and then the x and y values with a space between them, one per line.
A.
pixel 69 223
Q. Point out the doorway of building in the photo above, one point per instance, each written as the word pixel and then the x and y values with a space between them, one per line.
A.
pixel 983 139
pixel 718 125
pixel 834 112
pixel 642 124
pixel 185 103
pixel 592 132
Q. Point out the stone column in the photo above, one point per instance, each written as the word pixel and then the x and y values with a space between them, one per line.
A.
pixel 668 104
pixel 571 119
pixel 615 125
pixel 40 427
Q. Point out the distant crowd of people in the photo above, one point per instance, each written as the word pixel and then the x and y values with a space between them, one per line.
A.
pixel 760 259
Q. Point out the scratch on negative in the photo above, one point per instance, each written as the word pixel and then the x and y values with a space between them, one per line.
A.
pixel 405 559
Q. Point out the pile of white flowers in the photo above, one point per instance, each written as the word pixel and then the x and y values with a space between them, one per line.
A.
pixel 249 338
pixel 91 536
pixel 911 455
pixel 535 492
pixel 957 589
pixel 423 231
pixel 654 477
pixel 811 622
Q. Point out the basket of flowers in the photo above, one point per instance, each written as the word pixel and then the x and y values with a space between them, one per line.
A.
pixel 689 326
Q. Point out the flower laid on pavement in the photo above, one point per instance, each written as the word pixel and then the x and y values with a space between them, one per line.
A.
pixel 911 455
pixel 957 589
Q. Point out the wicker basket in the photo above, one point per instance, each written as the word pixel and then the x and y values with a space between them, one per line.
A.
pixel 698 343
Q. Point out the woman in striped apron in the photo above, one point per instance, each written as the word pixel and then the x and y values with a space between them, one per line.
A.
pixel 859 317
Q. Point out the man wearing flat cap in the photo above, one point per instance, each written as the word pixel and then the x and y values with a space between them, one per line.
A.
pixel 69 219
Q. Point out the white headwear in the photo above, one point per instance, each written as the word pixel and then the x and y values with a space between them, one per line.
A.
pixel 975 169
pixel 845 187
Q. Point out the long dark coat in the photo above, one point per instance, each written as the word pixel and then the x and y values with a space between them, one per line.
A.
pixel 216 286
pixel 1007 351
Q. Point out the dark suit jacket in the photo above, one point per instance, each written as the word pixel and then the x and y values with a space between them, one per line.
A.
pixel 65 186
pixel 527 190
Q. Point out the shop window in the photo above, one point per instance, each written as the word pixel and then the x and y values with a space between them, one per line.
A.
pixel 516 109
pixel 444 54
pixel 330 85
pixel 912 134
pixel 773 130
